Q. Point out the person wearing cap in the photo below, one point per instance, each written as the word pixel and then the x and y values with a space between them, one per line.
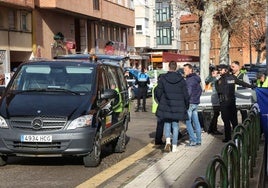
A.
pixel 262 80
pixel 212 79
pixel 143 80
pixel 225 88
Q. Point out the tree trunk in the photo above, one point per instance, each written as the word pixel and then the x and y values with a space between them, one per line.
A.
pixel 225 36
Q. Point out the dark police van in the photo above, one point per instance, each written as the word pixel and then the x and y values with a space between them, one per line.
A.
pixel 64 108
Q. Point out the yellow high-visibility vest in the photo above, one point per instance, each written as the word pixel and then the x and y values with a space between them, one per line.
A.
pixel 119 106
pixel 265 83
pixel 154 103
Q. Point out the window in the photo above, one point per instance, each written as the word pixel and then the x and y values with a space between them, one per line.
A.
pixel 117 34
pixel 186 46
pixel 111 33
pixel 96 4
pixel 194 45
pixel 11 19
pixel 138 27
pixel 163 35
pixel 146 23
pixel 163 11
pixel 105 32
pixel 1 20
pixel 102 82
pixel 24 20
pixel 186 29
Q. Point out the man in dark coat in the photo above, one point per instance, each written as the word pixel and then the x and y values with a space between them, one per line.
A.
pixel 172 94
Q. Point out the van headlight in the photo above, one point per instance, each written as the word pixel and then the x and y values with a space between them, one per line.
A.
pixel 3 123
pixel 82 121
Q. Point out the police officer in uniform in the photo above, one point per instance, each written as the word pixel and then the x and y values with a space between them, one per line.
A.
pixel 225 88
pixel 142 81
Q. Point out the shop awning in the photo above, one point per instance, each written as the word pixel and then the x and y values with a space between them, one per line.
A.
pixel 167 57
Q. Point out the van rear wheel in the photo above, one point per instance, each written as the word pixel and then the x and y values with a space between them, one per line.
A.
pixel 94 157
pixel 3 160
pixel 119 144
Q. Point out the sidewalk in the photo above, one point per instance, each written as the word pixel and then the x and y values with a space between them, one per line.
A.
pixel 181 168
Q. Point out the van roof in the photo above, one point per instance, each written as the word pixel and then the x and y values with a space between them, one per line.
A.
pixel 74 61
pixel 87 56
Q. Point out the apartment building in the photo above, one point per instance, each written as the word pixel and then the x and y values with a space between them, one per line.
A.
pixel 46 28
pixel 157 29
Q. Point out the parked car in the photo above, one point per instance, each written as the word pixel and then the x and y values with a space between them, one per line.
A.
pixel 64 108
pixel 253 70
pixel 245 98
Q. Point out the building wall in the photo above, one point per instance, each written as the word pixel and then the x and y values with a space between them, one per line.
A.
pixel 108 10
pixel 15 33
pixel 76 20
pixel 22 3
pixel 47 24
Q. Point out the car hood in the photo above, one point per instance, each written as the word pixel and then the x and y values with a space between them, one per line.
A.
pixel 70 106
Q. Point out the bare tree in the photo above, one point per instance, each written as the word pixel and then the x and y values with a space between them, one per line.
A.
pixel 244 20
pixel 206 10
pixel 229 14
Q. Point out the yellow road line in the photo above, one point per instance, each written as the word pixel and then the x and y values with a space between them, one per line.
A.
pixel 116 168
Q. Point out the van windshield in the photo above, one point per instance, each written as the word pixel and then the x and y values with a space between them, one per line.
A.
pixel 53 78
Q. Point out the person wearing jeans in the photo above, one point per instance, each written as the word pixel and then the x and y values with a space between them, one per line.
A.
pixel 172 95
pixel 193 83
pixel 175 132
pixel 193 126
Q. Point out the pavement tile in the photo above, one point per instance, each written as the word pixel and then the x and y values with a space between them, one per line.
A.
pixel 166 171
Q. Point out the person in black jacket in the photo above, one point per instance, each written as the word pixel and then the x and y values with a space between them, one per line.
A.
pixel 225 87
pixel 172 95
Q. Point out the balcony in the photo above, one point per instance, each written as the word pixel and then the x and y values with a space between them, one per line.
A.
pixel 20 3
pixel 107 10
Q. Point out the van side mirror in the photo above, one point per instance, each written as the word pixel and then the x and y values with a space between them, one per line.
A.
pixel 109 94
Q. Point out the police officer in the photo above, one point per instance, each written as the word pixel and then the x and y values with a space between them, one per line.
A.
pixel 225 88
pixel 142 81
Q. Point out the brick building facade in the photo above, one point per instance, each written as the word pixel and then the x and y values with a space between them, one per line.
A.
pixel 45 28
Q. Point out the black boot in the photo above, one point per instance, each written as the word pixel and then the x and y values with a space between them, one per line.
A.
pixel 137 109
pixel 144 109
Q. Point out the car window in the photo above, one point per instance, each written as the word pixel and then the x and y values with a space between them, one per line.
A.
pixel 102 81
pixel 113 78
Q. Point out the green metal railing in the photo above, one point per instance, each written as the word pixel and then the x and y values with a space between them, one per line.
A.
pixel 234 167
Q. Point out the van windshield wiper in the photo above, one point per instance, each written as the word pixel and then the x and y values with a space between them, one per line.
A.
pixel 58 89
pixel 53 89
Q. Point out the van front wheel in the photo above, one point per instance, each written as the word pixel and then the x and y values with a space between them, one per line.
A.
pixel 119 144
pixel 94 157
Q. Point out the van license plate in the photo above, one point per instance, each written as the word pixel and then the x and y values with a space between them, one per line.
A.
pixel 36 138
